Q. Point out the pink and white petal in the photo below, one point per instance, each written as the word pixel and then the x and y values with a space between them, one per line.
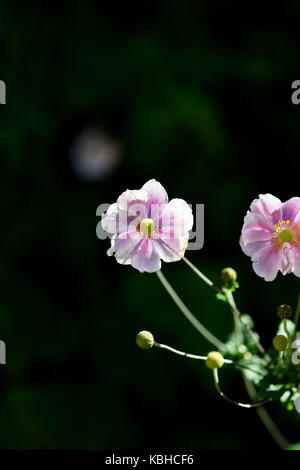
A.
pixel 157 195
pixel 296 269
pixel 125 248
pixel 269 206
pixel 256 228
pixel 176 218
pixel 146 259
pixel 133 202
pixel 291 210
pixel 171 250
pixel 287 264
pixel 267 261
pixel 251 248
pixel 109 219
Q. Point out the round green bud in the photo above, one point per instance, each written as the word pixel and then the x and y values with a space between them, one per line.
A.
pixel 247 356
pixel 214 360
pixel 228 275
pixel 242 348
pixel 144 340
pixel 280 343
pixel 284 311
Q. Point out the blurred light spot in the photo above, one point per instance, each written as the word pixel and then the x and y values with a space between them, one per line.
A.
pixel 94 155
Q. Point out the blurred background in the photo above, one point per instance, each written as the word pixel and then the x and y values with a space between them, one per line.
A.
pixel 100 99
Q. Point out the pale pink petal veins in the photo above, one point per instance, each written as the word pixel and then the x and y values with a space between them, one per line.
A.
pixel 256 228
pixel 171 250
pixel 146 259
pixel 296 270
pixel 269 206
pixel 132 202
pixel 126 247
pixel 251 248
pixel 287 264
pixel 157 196
pixel 291 210
pixel 156 192
pixel 176 219
pixel 267 261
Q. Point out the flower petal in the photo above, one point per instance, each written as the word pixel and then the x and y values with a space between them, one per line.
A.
pixel 251 248
pixel 176 219
pixel 147 259
pixel 296 269
pixel 269 206
pixel 267 261
pixel 256 228
pixel 125 248
pixel 157 196
pixel 291 210
pixel 171 250
pixel 133 202
pixel 109 219
pixel 287 264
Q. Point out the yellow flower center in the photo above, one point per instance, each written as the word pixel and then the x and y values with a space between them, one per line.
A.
pixel 147 226
pixel 286 235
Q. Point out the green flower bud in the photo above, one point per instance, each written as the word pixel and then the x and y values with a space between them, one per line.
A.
pixel 214 360
pixel 242 348
pixel 144 340
pixel 280 343
pixel 284 311
pixel 228 275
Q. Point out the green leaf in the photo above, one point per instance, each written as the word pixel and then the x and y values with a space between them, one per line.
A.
pixel 221 297
pixel 247 319
pixel 285 396
pixel 234 286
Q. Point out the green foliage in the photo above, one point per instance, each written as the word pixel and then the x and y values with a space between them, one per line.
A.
pixel 274 380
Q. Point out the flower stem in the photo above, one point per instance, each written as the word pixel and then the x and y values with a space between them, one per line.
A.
pixel 232 305
pixel 242 405
pixel 201 275
pixel 297 315
pixel 203 358
pixel 287 332
pixel 266 419
pixel 181 353
pixel 188 314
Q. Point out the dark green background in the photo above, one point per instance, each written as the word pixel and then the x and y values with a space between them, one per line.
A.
pixel 199 95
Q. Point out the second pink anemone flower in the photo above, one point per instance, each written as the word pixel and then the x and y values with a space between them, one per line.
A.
pixel 271 236
pixel 147 228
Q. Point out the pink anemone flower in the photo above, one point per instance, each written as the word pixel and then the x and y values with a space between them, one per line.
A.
pixel 271 236
pixel 146 228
